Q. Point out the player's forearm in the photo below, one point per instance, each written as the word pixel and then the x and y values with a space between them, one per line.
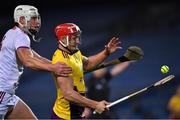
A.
pixel 74 96
pixel 31 59
pixel 45 60
pixel 38 64
pixel 96 59
pixel 40 57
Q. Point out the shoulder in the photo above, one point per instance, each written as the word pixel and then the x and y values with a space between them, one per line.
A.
pixel 60 53
pixel 79 53
pixel 59 56
pixel 21 34
pixel 16 34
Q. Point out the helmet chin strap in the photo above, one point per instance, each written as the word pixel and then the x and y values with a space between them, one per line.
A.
pixel 67 42
pixel 34 37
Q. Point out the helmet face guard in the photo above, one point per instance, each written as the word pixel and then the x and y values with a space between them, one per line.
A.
pixel 29 13
pixel 74 41
pixel 36 29
pixel 68 35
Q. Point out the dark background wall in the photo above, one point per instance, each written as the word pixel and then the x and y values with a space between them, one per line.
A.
pixel 153 26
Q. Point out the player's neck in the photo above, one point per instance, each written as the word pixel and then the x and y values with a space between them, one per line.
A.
pixel 64 49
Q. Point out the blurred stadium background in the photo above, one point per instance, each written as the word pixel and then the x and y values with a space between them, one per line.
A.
pixel 153 26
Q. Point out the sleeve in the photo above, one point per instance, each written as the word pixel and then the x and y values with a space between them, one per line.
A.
pixel 22 41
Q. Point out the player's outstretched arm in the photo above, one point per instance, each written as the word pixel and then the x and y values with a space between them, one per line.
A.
pixel 111 47
pixel 28 59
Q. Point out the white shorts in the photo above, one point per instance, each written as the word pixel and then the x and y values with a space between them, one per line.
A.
pixel 7 100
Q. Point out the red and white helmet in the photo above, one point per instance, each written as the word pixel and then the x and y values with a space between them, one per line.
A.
pixel 65 32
